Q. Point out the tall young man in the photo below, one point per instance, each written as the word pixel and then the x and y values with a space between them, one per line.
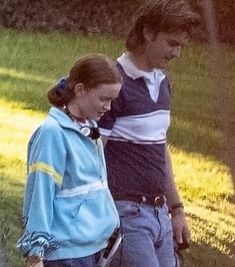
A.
pixel 139 166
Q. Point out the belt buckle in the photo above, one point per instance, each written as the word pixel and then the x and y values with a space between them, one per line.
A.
pixel 159 201
pixel 156 199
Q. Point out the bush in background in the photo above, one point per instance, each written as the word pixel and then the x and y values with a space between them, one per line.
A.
pixel 96 16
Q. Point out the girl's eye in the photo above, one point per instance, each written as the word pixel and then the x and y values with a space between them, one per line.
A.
pixel 104 99
pixel 173 43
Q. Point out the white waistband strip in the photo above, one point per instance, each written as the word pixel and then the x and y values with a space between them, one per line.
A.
pixel 83 189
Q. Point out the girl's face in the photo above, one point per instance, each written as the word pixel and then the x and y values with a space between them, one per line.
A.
pixel 92 104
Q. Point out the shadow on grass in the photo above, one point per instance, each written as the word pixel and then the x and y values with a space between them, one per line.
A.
pixel 212 257
pixel 31 94
pixel 192 137
pixel 10 222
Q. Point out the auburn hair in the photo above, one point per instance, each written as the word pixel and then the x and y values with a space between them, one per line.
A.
pixel 161 16
pixel 91 70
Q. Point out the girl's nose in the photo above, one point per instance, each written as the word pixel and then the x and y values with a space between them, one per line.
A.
pixel 107 105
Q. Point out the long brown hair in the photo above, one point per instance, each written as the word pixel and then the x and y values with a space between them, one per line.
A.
pixel 91 70
pixel 161 16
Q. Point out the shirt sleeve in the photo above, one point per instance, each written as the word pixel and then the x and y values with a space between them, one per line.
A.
pixel 45 170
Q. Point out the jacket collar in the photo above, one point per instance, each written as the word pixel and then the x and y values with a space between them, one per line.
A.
pixel 65 121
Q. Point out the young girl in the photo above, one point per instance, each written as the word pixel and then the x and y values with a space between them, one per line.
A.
pixel 68 210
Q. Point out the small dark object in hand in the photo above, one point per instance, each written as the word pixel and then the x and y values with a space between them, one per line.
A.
pixel 178 247
pixel 182 246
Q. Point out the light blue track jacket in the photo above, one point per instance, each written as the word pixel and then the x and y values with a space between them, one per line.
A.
pixel 68 209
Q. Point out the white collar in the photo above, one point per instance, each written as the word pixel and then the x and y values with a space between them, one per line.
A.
pixel 133 72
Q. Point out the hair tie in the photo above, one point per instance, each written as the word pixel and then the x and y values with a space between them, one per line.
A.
pixel 61 84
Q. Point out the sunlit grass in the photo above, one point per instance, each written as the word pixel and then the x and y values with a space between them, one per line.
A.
pixel 200 177
pixel 31 63
pixel 16 126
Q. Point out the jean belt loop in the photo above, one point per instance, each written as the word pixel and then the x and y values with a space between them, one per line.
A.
pixel 143 200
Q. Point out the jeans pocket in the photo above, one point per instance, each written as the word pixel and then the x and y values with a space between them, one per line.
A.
pixel 128 209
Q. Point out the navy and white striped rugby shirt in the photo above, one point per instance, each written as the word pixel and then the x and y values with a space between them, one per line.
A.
pixel 136 126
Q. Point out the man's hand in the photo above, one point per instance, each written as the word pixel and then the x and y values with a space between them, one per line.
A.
pixel 180 227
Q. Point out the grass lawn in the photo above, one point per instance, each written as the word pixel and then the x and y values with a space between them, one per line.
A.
pixel 31 62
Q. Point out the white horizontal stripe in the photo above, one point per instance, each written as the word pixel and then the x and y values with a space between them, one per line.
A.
pixel 105 132
pixel 150 127
pixel 83 189
pixel 142 142
pixel 147 115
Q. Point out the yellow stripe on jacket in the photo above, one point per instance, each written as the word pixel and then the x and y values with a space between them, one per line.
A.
pixel 40 166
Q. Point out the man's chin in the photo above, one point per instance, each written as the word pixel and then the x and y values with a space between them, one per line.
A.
pixel 162 65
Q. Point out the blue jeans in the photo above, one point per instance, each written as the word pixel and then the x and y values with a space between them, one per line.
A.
pixel 89 261
pixel 148 237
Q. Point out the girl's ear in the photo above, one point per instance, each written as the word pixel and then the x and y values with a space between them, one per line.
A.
pixel 79 89
pixel 148 34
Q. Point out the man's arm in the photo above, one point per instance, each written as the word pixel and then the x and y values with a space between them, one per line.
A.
pixel 179 224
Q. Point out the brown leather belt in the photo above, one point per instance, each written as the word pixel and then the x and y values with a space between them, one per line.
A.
pixel 158 201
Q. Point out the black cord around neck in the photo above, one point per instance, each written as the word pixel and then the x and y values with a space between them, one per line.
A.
pixel 92 132
pixel 73 117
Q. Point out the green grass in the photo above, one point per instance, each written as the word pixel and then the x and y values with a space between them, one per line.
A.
pixel 31 62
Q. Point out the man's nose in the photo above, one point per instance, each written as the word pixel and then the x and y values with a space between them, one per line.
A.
pixel 176 51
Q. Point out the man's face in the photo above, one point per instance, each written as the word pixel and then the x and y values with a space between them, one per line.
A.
pixel 163 47
pixel 95 102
